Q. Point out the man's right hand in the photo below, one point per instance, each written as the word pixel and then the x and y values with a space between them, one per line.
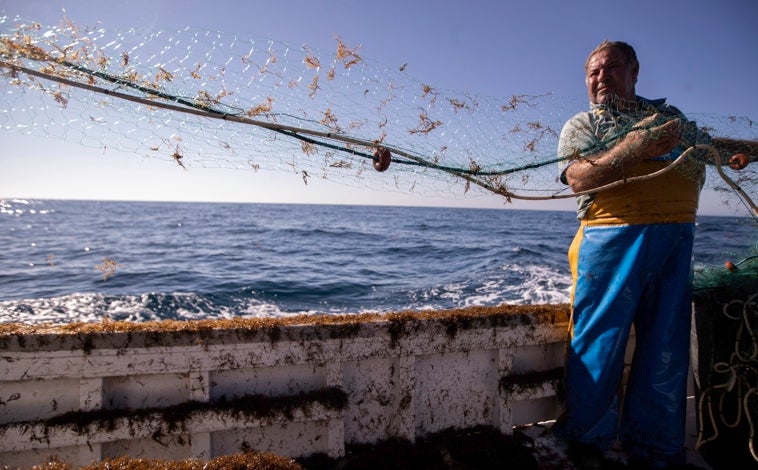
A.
pixel 650 141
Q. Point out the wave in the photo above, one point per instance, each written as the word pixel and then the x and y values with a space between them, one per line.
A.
pixel 513 283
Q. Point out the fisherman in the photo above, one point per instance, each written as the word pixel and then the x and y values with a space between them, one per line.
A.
pixel 631 265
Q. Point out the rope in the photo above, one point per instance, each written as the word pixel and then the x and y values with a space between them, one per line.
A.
pixel 739 371
pixel 303 134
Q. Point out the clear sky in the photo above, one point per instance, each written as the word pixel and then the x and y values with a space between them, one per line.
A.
pixel 701 55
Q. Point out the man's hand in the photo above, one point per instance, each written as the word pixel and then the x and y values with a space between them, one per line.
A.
pixel 649 141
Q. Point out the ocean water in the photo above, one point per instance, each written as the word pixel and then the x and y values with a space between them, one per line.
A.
pixel 66 261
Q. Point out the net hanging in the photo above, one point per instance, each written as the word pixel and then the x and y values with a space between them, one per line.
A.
pixel 210 99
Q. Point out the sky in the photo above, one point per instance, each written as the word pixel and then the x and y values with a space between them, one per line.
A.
pixel 701 55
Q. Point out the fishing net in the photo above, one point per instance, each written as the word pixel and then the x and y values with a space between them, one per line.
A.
pixel 210 99
pixel 725 361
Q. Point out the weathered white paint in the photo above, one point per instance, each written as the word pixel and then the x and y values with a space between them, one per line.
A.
pixel 402 379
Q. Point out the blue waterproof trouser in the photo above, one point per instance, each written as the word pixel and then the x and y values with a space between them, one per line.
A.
pixel 630 275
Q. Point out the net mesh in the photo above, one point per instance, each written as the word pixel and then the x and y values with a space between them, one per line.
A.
pixel 210 99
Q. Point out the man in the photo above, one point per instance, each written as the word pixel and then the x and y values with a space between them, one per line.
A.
pixel 631 265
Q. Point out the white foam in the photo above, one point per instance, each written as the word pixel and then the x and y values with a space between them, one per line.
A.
pixel 91 307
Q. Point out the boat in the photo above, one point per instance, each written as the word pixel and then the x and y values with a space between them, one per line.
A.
pixel 292 386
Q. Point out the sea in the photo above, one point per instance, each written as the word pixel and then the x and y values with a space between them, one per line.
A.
pixel 64 261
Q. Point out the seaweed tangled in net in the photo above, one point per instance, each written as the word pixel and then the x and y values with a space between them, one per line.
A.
pixel 216 99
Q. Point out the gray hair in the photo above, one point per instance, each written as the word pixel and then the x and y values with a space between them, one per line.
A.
pixel 630 57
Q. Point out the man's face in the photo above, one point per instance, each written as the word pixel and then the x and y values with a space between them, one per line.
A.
pixel 609 78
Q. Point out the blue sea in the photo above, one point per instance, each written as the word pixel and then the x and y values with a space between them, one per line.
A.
pixel 70 261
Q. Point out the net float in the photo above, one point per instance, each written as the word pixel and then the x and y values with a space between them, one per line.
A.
pixel 382 159
pixel 738 161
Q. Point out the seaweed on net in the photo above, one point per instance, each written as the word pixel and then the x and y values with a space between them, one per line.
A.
pixel 216 99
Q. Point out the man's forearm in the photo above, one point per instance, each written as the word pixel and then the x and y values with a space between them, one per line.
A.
pixel 597 170
pixel 609 166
